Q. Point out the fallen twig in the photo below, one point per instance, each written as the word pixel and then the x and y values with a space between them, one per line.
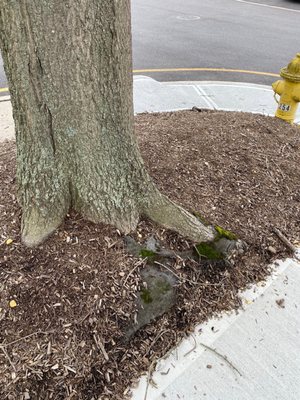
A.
pixel 139 263
pixel 150 372
pixel 24 337
pixel 7 356
pixel 221 356
pixel 168 269
pixel 286 241
pixel 159 335
pixel 84 318
pixel 166 372
pixel 172 272
pixel 101 346
pixel 167 253
pixel 194 347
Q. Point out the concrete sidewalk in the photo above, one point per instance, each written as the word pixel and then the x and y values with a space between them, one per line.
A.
pixel 254 354
pixel 153 96
pixel 7 127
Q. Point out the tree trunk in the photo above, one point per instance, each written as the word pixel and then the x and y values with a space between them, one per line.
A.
pixel 69 69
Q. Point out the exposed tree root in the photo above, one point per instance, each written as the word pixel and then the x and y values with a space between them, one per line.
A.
pixel 165 212
pixel 170 215
pixel 38 224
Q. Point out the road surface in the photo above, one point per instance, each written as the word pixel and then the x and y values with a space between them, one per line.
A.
pixel 258 35
pixel 173 36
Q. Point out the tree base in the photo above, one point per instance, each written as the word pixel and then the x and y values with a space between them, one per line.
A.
pixel 36 228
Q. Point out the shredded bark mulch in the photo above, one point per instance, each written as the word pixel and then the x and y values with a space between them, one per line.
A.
pixel 65 304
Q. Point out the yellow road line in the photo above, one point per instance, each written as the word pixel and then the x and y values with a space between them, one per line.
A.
pixel 240 71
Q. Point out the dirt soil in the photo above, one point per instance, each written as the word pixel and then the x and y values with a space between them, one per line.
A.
pixel 64 305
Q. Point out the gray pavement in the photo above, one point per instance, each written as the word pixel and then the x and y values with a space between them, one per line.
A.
pixel 254 354
pixel 7 127
pixel 153 96
pixel 258 35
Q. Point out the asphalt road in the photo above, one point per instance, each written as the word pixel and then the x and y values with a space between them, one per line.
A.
pixel 255 35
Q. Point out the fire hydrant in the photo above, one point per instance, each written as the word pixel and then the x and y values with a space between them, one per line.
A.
pixel 289 90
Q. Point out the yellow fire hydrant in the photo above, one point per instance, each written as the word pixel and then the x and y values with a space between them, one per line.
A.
pixel 289 90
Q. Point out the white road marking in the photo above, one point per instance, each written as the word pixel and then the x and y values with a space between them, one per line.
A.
pixel 206 97
pixel 188 17
pixel 223 85
pixel 267 5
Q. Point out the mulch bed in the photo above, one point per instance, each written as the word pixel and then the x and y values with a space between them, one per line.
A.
pixel 75 293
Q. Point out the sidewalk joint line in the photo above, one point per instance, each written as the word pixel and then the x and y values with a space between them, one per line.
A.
pixel 206 97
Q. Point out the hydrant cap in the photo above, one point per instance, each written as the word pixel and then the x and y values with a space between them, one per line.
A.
pixel 292 71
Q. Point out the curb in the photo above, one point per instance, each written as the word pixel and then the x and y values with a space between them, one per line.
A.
pixel 150 95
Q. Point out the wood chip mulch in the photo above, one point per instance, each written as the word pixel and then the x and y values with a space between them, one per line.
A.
pixel 65 304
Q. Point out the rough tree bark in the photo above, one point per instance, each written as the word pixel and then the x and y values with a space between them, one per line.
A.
pixel 69 69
